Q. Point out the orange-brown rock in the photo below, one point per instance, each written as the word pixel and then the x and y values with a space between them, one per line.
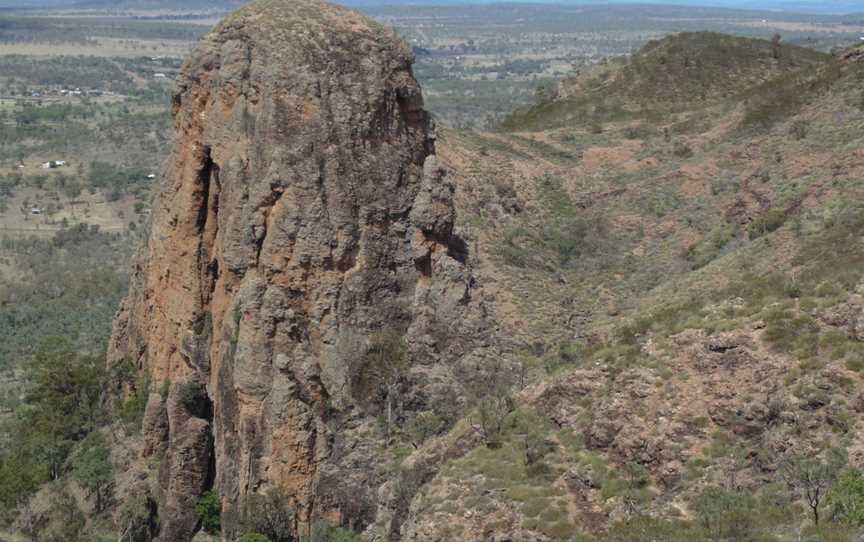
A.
pixel 301 212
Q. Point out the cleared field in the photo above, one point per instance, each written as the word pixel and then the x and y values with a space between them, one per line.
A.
pixel 476 63
pixel 101 47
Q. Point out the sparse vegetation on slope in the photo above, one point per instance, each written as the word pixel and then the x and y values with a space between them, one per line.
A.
pixel 705 372
pixel 683 72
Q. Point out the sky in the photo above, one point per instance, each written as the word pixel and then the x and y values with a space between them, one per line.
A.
pixel 805 6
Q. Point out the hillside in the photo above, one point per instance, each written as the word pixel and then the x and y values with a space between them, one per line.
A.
pixel 683 72
pixel 685 303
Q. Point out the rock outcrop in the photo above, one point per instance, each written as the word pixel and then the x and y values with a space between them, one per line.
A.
pixel 301 216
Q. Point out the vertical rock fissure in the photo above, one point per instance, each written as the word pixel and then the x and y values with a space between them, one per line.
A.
pixel 203 180
pixel 207 227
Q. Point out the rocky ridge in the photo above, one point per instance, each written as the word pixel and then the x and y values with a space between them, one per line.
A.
pixel 302 218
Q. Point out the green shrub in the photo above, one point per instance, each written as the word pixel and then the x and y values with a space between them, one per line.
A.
pixel 711 247
pixel 254 537
pixel 569 354
pixel 639 131
pixel 561 530
pixel 138 516
pixel 535 507
pixel 788 332
pixel 846 499
pixel 649 529
pixel 269 515
pixel 424 426
pixel 829 532
pixel 209 510
pixel 62 407
pixel 765 223
pixel 132 408
pixel 491 412
pixel 811 479
pixel 377 373
pixel 726 514
pixel 64 521
pixel 323 531
pixel 512 252
pixel 682 150
pixel 799 129
pixel 92 468
pixel 856 365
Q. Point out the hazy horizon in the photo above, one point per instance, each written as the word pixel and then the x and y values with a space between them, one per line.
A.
pixel 836 7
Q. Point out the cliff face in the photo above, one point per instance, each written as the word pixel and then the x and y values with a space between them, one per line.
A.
pixel 301 216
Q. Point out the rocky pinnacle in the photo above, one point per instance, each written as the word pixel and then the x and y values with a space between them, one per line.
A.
pixel 301 213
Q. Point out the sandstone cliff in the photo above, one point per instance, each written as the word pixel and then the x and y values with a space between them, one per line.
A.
pixel 301 216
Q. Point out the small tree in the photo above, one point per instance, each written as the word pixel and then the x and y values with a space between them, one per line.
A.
pixel 769 221
pixel 424 426
pixel 725 514
pixel 799 129
pixel 491 411
pixel 545 93
pixel 64 402
pixel 527 365
pixel 92 468
pixel 137 519
pixel 812 479
pixel 537 447
pixel 491 395
pixel 209 511
pixel 384 363
pixel 635 492
pixel 65 522
pixel 269 515
pixel 532 429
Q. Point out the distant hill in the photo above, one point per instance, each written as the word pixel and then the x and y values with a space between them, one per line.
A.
pixel 678 72
pixel 178 5
pixel 801 6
